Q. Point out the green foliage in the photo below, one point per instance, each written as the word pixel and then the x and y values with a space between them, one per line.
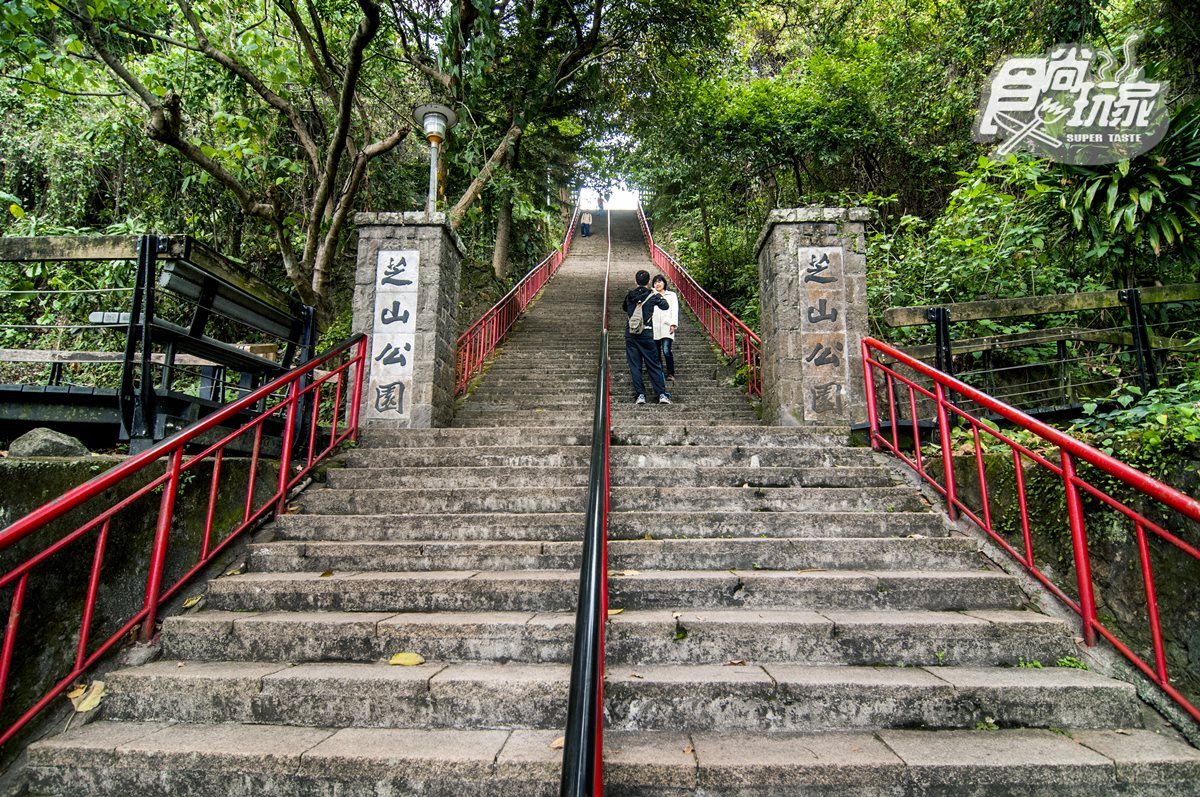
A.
pixel 1072 663
pixel 1151 431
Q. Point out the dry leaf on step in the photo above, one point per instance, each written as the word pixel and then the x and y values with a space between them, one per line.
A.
pixel 614 612
pixel 192 601
pixel 88 698
pixel 635 675
pixel 688 750
pixel 812 570
pixel 736 663
pixel 628 573
pixel 559 743
pixel 327 574
pixel 236 570
pixel 676 615
pixel 407 659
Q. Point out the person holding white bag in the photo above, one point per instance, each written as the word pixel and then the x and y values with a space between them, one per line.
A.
pixel 665 323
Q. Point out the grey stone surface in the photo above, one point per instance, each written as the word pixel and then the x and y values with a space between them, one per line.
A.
pixel 43 442
pixel 430 393
pixel 812 287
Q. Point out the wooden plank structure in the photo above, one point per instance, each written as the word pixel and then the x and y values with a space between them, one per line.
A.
pixel 1137 339
pixel 148 409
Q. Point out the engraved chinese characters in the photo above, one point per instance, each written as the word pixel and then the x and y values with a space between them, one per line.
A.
pixel 394 334
pixel 823 332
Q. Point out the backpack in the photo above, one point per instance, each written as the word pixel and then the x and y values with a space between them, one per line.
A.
pixel 637 324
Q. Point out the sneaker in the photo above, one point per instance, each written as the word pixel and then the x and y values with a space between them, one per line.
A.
pixel 664 399
pixel 640 400
pixel 670 377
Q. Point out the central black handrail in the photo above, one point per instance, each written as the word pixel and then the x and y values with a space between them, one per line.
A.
pixel 582 772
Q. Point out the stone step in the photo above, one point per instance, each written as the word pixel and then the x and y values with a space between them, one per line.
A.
pixel 621 456
pixel 462 456
pixel 471 499
pixel 448 500
pixel 668 434
pixel 577 475
pixel 766 697
pixel 550 526
pixel 954 553
pixel 580 435
pixel 556 590
pixel 342 694
pixel 532 421
pixel 715 636
pixel 237 760
pixel 788 697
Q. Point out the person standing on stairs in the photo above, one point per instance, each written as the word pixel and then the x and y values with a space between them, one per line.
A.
pixel 585 224
pixel 639 306
pixel 665 324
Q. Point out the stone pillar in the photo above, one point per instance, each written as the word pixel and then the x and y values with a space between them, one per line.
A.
pixel 406 299
pixel 813 294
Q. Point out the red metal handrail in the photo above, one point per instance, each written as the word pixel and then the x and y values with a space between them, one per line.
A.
pixel 727 330
pixel 478 343
pixel 1070 453
pixel 342 375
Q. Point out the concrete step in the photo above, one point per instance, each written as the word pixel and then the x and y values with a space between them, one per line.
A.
pixel 447 500
pixel 767 697
pixel 550 526
pixel 953 553
pixel 342 694
pixel 546 420
pixel 668 434
pixel 468 456
pixel 714 636
pixel 556 590
pixel 468 499
pixel 788 697
pixel 580 435
pixel 513 476
pixel 242 760
pixel 233 760
pixel 766 499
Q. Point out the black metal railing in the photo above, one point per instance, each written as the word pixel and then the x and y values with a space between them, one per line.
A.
pixel 583 749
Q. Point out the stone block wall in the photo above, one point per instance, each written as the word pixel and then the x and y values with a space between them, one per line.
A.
pixel 406 299
pixel 813 299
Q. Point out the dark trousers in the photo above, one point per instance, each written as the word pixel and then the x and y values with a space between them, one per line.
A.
pixel 639 350
pixel 586 229
pixel 665 356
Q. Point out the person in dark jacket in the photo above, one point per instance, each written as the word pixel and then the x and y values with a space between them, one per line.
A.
pixel 640 349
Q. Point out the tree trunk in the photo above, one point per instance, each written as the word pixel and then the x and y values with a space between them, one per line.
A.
pixel 704 224
pixel 503 233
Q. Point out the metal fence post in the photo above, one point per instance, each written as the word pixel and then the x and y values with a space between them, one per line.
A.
pixel 1147 373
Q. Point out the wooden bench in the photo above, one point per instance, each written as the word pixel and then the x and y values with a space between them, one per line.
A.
pixel 212 286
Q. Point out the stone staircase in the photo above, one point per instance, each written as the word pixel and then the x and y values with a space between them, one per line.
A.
pixel 793 619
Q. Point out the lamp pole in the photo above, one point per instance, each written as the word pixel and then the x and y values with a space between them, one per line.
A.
pixel 434 120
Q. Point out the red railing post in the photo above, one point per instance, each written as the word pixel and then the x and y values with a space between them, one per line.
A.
pixel 289 436
pixel 158 554
pixel 943 420
pixel 1083 567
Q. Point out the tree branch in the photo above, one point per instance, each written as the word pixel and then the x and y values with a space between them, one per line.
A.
pixel 483 178
pixel 289 9
pixel 68 92
pixel 241 71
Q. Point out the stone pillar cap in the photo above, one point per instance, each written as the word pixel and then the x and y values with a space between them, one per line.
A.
pixel 410 218
pixel 810 213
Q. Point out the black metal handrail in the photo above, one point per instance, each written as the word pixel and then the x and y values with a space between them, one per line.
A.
pixel 582 772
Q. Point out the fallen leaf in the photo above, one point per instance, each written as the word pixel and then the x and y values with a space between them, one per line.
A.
pixel 77 691
pixel 676 615
pixel 614 612
pixel 407 659
pixel 192 601
pixel 180 664
pixel 689 750
pixel 327 574
pixel 1124 732
pixel 90 698
pixel 648 536
pixel 916 536
pixel 558 743
pixel 635 675
pixel 736 663
pixel 628 573
pixel 812 570
pixel 236 570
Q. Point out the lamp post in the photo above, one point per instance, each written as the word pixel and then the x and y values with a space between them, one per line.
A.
pixel 434 120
